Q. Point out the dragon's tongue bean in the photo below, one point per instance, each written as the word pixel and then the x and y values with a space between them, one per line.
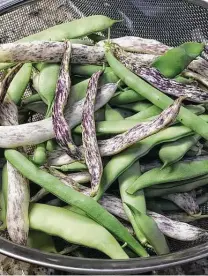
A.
pixel 60 125
pixel 139 132
pixel 185 201
pixel 90 145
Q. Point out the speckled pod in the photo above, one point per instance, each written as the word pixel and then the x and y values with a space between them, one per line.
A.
pixel 139 132
pixel 91 150
pixel 153 76
pixel 60 125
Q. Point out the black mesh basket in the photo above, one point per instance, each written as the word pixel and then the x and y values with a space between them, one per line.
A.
pixel 169 21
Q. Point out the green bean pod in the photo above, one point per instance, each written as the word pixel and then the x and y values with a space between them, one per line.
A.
pixel 31 99
pixel 126 97
pixel 73 167
pixel 136 211
pixel 172 152
pixel 72 197
pixel 39 155
pixel 50 220
pixel 177 187
pixel 47 84
pixel 137 106
pixel 51 145
pixel 3 198
pixel 111 114
pixel 179 58
pixel 19 83
pixel 146 113
pixel 176 172
pixel 41 241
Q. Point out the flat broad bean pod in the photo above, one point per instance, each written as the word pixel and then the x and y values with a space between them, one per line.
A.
pixel 196 77
pixel 176 172
pixel 42 216
pixel 178 230
pixel 47 81
pixel 7 80
pixel 176 187
pixel 179 58
pixel 17 206
pixel 135 208
pixel 72 197
pixel 112 114
pixel 137 106
pixel 139 132
pixel 126 97
pixel 172 152
pixel 19 83
pixel 16 201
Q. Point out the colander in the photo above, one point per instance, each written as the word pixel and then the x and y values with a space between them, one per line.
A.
pixel 169 21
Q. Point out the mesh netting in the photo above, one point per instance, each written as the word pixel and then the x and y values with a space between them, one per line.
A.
pixel 169 21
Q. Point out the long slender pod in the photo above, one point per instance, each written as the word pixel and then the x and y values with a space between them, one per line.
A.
pixel 17 206
pixel 90 144
pixel 139 132
pixel 60 126
pixel 18 186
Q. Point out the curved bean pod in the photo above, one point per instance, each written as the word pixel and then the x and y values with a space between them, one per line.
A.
pixel 172 152
pixel 173 229
pixel 43 216
pixel 178 230
pixel 176 172
pixel 19 83
pixel 8 78
pixel 60 126
pixel 140 131
pixel 90 144
pixel 139 45
pixel 177 187
pixel 135 208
